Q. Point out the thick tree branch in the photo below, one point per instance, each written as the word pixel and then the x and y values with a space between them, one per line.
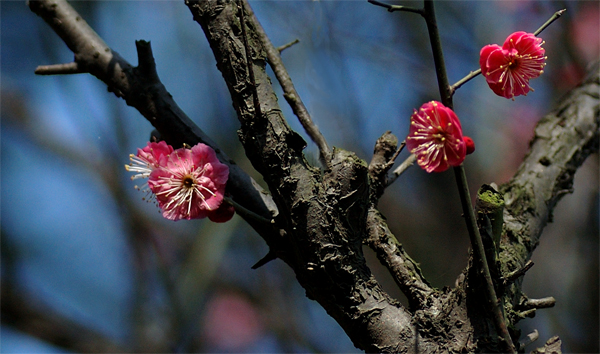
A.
pixel 563 140
pixel 324 216
pixel 141 88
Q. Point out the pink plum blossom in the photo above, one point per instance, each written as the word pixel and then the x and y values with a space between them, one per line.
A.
pixel 435 137
pixel 147 159
pixel 189 183
pixel 509 68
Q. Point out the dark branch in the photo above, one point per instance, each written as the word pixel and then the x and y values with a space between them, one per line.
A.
pixel 509 278
pixel 392 8
pixel 563 140
pixel 141 88
pixel 463 187
pixel 385 152
pixel 409 161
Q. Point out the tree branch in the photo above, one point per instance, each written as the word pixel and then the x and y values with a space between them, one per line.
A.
pixel 141 88
pixel 404 270
pixel 563 140
pixel 289 91
pixel 324 215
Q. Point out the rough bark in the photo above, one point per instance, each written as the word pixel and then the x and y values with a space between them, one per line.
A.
pixel 325 216
pixel 563 140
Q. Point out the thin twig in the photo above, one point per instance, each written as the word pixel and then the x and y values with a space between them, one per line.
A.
pixel 289 91
pixel 59 69
pixel 392 160
pixel 403 167
pixel 392 8
pixel 554 17
pixel 464 80
pixel 461 180
pixel 509 278
pixel 286 46
pixel 475 73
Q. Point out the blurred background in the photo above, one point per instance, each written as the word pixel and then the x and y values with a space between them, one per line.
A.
pixel 87 265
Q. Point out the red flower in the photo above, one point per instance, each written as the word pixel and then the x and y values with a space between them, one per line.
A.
pixel 435 137
pixel 187 183
pixel 470 144
pixel 509 68
pixel 190 184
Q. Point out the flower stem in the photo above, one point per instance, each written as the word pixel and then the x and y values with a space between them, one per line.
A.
pixel 473 74
pixel 464 80
pixel 554 17
pixel 446 92
pixel 479 252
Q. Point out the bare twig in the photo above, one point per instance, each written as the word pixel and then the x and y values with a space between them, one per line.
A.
pixel 289 91
pixel 59 69
pixel 531 337
pixel 286 46
pixel 248 214
pixel 392 8
pixel 402 168
pixel 552 346
pixel 384 154
pixel 509 278
pixel 554 17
